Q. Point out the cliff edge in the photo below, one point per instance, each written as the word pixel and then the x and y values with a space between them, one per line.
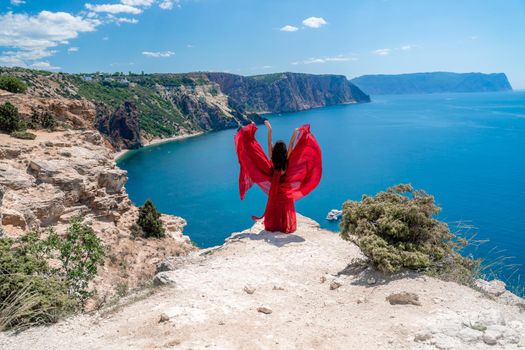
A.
pixel 309 290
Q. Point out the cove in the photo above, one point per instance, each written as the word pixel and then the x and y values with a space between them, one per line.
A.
pixel 466 149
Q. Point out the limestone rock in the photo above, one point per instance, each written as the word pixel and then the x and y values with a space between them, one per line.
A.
pixel 162 278
pixel 249 289
pixel 494 287
pixel 403 298
pixel 264 310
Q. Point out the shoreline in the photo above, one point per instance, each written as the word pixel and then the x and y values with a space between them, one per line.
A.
pixel 155 141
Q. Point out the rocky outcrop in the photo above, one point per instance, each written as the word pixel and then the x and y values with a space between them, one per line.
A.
pixel 67 113
pixel 46 182
pixel 287 92
pixel 277 289
pixel 121 127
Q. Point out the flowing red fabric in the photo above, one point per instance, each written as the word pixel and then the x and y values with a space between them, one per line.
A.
pixel 301 177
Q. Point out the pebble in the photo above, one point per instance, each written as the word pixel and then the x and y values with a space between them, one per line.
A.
pixel 249 289
pixel 403 298
pixel 371 280
pixel 164 318
pixel 335 285
pixel 264 310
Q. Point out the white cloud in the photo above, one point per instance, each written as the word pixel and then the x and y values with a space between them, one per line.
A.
pixel 17 2
pixel 327 59
pixel 190 46
pixel 167 4
pixel 267 67
pixel 406 47
pixel 72 49
pixel 119 20
pixel 314 22
pixel 143 3
pixel 288 28
pixel 106 38
pixel 382 52
pixel 44 65
pixel 158 54
pixel 32 37
pixel 114 8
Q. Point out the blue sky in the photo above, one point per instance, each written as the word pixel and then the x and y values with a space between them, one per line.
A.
pixel 352 37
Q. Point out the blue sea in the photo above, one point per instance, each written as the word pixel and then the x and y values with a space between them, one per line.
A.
pixel 465 149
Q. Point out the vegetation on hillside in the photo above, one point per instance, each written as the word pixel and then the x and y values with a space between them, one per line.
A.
pixel 44 279
pixel 397 229
pixel 12 84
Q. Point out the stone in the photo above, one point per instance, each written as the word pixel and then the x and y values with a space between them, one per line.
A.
pixel 371 280
pixel 494 287
pixel 164 318
pixel 169 264
pixel 13 217
pixel 469 335
pixel 113 180
pixel 335 284
pixel 490 317
pixel 403 298
pixel 264 310
pixel 277 288
pixel 162 278
pixel 422 336
pixel 249 289
pixel 360 300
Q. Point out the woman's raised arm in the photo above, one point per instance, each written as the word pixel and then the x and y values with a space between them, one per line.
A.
pixel 270 144
pixel 292 140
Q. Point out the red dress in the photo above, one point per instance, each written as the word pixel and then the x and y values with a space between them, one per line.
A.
pixel 301 177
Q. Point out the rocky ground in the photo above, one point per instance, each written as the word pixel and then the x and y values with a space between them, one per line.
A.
pixel 46 182
pixel 308 290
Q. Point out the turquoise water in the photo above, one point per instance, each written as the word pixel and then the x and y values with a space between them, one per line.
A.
pixel 465 149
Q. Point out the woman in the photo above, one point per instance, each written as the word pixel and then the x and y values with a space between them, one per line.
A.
pixel 288 174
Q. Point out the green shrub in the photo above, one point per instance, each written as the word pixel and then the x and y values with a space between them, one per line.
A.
pixel 9 118
pixel 396 229
pixel 149 221
pixel 12 84
pixel 43 120
pixel 31 291
pixel 24 135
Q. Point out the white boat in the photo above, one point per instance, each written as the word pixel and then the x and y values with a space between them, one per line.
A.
pixel 334 215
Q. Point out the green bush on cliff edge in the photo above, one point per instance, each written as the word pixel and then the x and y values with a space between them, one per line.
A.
pixel 396 229
pixel 43 279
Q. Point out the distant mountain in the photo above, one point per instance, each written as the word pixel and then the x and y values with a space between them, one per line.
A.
pixel 436 82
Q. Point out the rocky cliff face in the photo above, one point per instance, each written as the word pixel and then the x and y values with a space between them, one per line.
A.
pixel 128 108
pixel 288 92
pixel 47 181
pixel 121 127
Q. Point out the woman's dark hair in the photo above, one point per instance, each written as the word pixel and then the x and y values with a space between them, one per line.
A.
pixel 280 156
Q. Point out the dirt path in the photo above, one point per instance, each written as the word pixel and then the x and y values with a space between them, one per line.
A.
pixel 209 305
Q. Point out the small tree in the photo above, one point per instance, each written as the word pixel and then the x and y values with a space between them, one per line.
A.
pixel 9 118
pixel 149 221
pixel 12 84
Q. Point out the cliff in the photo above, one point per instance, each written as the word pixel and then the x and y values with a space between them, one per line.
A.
pixel 129 109
pixel 437 82
pixel 46 182
pixel 288 92
pixel 308 290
